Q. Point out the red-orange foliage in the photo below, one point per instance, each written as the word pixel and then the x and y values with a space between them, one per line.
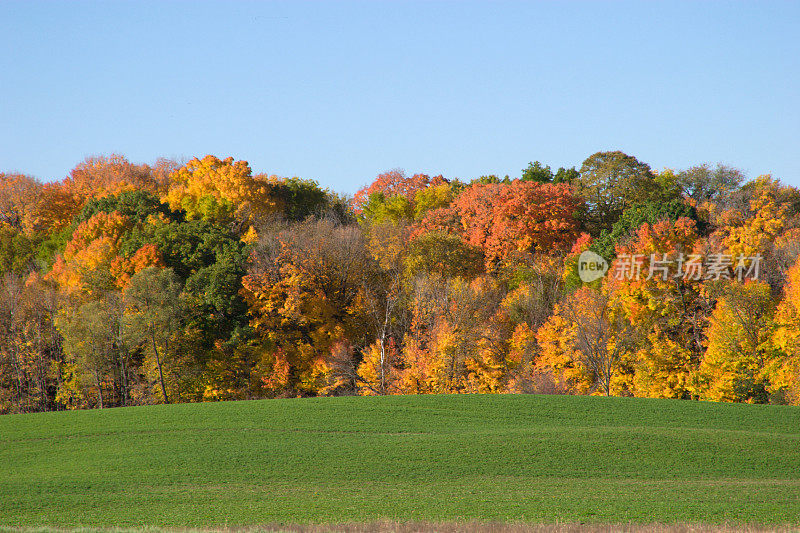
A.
pixel 123 268
pixel 19 195
pixel 95 177
pixel 505 218
pixel 394 183
pixel 101 176
pixel 56 207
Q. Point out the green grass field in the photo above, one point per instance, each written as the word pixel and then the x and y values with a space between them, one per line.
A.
pixel 548 459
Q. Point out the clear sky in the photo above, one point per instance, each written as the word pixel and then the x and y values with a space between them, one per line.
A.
pixel 340 91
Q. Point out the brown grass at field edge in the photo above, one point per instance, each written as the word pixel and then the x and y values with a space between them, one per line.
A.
pixel 388 526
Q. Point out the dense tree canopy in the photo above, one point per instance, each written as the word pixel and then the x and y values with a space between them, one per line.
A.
pixel 128 284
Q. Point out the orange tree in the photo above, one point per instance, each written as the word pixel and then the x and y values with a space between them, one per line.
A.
pixel 504 219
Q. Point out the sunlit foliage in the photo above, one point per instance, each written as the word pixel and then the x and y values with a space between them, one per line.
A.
pixel 128 284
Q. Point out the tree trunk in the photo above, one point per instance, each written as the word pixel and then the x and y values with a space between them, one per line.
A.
pixel 383 359
pixel 123 378
pixel 160 373
pixel 99 388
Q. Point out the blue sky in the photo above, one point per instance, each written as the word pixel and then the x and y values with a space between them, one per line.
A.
pixel 340 91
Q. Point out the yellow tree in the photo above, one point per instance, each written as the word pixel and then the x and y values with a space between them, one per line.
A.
pixel 783 371
pixel 94 246
pixel 748 234
pixel 657 280
pixel 558 356
pixel 420 369
pixel 522 352
pixel 739 348
pixel 459 337
pixel 586 343
pixel 377 373
pixel 304 288
pixel 220 191
pixel 382 298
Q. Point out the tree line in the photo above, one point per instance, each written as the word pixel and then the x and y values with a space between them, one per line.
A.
pixel 128 284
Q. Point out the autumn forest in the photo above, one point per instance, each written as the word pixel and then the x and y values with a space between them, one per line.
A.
pixel 131 284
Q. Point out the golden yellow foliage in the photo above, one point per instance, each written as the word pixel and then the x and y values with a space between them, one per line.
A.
pixel 754 234
pixel 738 345
pixel 784 369
pixel 221 191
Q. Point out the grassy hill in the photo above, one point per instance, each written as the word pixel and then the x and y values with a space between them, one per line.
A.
pixel 493 458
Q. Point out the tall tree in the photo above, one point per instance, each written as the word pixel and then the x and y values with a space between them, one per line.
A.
pixel 611 182
pixel 91 333
pixel 704 183
pixel 153 315
pixel 30 346
pixel 658 282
